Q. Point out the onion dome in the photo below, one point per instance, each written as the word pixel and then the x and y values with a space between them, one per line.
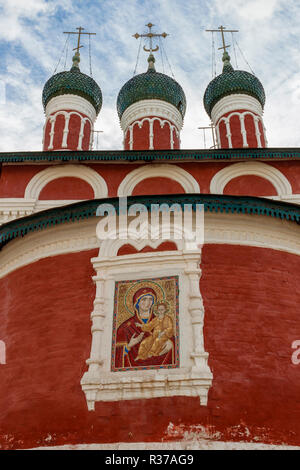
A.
pixel 73 82
pixel 231 82
pixel 151 85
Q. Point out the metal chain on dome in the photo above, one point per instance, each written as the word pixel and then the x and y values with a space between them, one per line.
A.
pixel 61 54
pixel 138 56
pixel 236 63
pixel 162 57
pixel 90 56
pixel 67 50
pixel 213 56
pixel 244 58
pixel 164 52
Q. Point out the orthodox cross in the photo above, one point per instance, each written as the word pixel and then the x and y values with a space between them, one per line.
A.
pixel 150 35
pixel 221 29
pixel 80 29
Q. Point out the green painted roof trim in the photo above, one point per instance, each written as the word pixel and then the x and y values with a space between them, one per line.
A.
pixel 87 209
pixel 152 155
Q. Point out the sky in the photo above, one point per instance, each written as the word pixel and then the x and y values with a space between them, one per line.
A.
pixel 32 44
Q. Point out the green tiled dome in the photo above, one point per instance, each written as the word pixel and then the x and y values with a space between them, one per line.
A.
pixel 232 82
pixel 73 82
pixel 151 85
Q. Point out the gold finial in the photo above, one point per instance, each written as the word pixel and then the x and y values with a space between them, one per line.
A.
pixel 80 29
pixel 221 29
pixel 150 35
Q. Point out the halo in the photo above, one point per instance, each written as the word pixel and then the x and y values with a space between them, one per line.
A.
pixel 160 295
pixel 160 302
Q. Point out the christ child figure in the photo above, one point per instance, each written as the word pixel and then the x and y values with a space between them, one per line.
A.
pixel 162 330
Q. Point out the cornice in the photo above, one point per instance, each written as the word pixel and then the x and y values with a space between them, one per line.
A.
pixel 212 203
pixel 72 103
pixel 157 108
pixel 219 228
pixel 234 102
pixel 170 155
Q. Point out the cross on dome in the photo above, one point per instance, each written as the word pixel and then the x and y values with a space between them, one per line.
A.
pixel 221 29
pixel 150 35
pixel 76 58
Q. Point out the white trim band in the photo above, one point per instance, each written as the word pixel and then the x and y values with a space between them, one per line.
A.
pixel 147 108
pixel 234 102
pixel 269 172
pixel 71 103
pixel 90 176
pixel 173 172
pixel 228 229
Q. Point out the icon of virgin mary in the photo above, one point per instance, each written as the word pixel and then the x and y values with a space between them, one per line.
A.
pixel 130 334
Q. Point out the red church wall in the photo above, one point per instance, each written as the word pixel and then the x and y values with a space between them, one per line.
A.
pixel 250 185
pixel 127 140
pixel 236 130
pixel 141 136
pixel 158 186
pixel 236 134
pixel 262 134
pixel 162 136
pixel 176 140
pixel 14 178
pixel 251 320
pixel 251 133
pixel 85 145
pixel 74 129
pixel 67 188
pixel 47 135
pixel 73 133
pixel 58 131
pixel 130 250
pixel 223 135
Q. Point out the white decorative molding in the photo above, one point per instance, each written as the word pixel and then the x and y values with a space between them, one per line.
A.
pixel 257 131
pixel 233 103
pixel 193 376
pixel 67 115
pixel 56 240
pixel 151 108
pixel 241 116
pixel 173 172
pixel 162 123
pixel 252 230
pixel 221 228
pixel 228 132
pixel 292 198
pixel 41 179
pixel 272 174
pixel 219 144
pixel 71 103
pixel 194 443
pixel 14 208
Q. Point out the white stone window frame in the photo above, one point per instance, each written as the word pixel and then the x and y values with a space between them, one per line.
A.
pixel 193 376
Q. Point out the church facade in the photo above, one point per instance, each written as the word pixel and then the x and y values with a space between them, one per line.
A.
pixel 142 337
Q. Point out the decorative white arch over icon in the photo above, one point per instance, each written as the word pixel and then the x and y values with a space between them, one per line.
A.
pixel 193 376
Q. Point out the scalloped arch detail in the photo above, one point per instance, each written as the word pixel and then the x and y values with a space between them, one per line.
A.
pixel 41 179
pixel 274 176
pixel 173 172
